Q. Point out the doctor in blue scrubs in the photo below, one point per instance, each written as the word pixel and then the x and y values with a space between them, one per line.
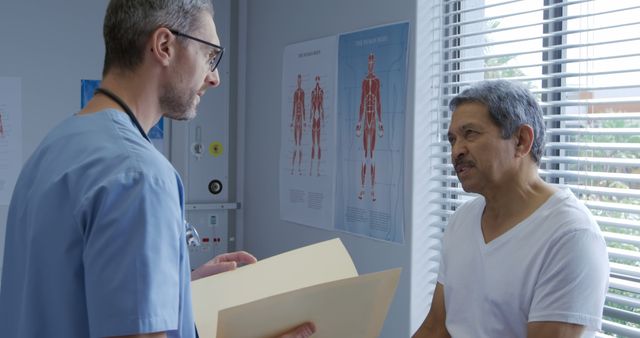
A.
pixel 96 243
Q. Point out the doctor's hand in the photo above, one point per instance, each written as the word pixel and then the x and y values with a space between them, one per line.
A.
pixel 303 331
pixel 222 263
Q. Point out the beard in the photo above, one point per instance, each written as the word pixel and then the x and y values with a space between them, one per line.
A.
pixel 176 104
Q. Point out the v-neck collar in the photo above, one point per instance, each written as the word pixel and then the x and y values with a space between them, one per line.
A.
pixel 515 230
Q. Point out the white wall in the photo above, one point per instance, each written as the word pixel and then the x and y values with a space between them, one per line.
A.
pixel 271 25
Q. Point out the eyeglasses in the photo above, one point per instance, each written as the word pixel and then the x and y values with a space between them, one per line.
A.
pixel 218 50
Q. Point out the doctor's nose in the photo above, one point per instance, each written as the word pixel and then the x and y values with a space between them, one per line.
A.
pixel 213 78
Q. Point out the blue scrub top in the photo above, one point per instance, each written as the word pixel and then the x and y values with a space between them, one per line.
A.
pixel 95 242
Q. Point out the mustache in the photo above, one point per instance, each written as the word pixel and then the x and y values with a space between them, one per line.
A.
pixel 462 161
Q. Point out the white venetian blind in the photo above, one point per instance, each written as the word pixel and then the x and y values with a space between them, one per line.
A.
pixel 426 238
pixel 582 59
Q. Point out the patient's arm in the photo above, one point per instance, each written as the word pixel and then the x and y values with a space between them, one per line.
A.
pixel 434 325
pixel 554 329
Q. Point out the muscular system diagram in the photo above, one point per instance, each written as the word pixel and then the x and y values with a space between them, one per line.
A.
pixel 298 122
pixel 370 112
pixel 317 120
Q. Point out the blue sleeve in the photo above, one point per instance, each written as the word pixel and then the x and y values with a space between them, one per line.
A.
pixel 132 232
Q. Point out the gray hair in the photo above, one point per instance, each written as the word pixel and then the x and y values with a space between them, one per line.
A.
pixel 510 105
pixel 128 24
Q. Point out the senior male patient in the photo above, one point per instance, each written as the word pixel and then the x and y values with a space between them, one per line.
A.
pixel 96 241
pixel 525 258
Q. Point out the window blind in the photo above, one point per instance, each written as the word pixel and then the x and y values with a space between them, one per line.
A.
pixel 581 58
pixel 425 239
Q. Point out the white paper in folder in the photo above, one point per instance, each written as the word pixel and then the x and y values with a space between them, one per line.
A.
pixel 317 283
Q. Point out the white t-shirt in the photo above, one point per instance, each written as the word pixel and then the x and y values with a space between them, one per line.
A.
pixel 553 266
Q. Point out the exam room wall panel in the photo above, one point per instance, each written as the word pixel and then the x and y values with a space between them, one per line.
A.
pixel 272 25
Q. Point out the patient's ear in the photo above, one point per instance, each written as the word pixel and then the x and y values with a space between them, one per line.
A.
pixel 523 138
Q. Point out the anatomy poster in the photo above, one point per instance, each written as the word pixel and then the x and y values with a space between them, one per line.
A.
pixel 372 86
pixel 307 149
pixel 10 136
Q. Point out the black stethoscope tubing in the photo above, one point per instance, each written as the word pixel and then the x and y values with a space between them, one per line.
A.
pixel 124 107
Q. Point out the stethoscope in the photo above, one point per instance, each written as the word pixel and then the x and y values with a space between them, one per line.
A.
pixel 193 239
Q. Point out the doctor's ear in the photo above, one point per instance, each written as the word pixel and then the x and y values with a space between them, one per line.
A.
pixel 523 138
pixel 161 45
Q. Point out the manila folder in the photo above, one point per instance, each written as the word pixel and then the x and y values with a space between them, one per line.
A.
pixel 316 283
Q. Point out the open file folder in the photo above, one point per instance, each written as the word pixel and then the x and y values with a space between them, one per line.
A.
pixel 317 283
